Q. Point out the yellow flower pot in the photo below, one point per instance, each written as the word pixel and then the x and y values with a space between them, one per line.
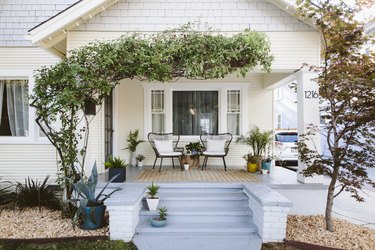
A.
pixel 252 167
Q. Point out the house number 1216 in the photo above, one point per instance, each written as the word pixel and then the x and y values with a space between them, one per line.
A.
pixel 311 94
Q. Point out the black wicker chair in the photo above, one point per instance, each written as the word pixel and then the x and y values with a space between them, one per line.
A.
pixel 165 146
pixel 216 145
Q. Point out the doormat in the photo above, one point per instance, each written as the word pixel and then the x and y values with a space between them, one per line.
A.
pixel 196 175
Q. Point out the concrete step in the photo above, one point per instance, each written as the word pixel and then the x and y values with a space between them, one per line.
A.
pixel 199 190
pixel 203 203
pixel 198 211
pixel 195 227
pixel 175 196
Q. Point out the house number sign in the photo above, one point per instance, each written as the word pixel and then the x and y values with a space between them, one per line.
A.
pixel 311 94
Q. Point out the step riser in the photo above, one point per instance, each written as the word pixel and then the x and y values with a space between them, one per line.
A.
pixel 202 218
pixel 201 203
pixel 199 190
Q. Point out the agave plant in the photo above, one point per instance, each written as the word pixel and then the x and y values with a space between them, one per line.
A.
pixel 6 194
pixel 115 162
pixel 86 193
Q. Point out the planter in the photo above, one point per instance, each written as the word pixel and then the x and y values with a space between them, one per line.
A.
pixel 194 161
pixel 266 165
pixel 133 159
pixel 140 164
pixel 155 222
pixel 153 203
pixel 252 167
pixel 93 217
pixel 186 166
pixel 264 171
pixel 120 171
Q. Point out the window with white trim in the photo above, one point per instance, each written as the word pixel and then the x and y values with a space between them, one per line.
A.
pixel 279 120
pixel 157 111
pixel 233 111
pixel 14 108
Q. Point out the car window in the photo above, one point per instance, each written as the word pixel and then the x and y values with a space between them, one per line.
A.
pixel 286 137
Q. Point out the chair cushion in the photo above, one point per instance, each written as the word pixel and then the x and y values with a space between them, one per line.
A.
pixel 208 153
pixel 171 154
pixel 165 146
pixel 215 146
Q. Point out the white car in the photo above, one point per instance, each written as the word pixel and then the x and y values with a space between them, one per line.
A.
pixel 286 148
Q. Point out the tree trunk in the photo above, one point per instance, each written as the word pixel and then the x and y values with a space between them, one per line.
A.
pixel 330 196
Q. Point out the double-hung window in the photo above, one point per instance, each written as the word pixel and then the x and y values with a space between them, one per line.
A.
pixel 233 111
pixel 157 111
pixel 14 108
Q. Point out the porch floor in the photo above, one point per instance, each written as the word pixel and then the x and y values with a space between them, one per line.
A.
pixel 278 178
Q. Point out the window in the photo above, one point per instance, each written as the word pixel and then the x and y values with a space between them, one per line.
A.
pixel 279 94
pixel 157 111
pixel 279 121
pixel 195 112
pixel 14 108
pixel 233 111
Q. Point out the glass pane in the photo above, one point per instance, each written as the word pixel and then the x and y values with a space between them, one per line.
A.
pixel 233 124
pixel 157 101
pixel 233 101
pixel 195 112
pixel 158 123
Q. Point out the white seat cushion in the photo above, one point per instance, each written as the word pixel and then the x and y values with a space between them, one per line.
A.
pixel 171 154
pixel 215 146
pixel 165 146
pixel 208 153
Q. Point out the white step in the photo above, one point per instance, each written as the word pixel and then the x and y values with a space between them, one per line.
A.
pixel 175 196
pixel 197 210
pixel 203 203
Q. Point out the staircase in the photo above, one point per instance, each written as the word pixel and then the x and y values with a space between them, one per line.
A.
pixel 196 211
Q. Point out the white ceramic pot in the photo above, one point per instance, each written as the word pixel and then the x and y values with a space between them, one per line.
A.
pixel 186 166
pixel 133 160
pixel 140 163
pixel 264 171
pixel 152 203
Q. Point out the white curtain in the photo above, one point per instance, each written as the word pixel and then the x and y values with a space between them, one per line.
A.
pixel 18 107
pixel 2 83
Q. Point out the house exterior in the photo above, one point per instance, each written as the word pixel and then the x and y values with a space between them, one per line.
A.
pixel 40 33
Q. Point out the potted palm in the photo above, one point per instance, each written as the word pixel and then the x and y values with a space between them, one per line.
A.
pixel 162 219
pixel 258 142
pixel 116 166
pixel 152 199
pixel 132 145
pixel 90 208
pixel 140 159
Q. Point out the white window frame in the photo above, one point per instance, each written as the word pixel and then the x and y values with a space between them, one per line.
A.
pixel 33 137
pixel 277 120
pixel 169 88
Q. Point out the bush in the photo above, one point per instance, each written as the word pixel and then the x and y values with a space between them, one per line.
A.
pixel 35 194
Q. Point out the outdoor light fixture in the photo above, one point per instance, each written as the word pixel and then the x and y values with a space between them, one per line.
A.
pixel 193 110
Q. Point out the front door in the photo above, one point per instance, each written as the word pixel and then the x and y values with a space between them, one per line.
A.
pixel 108 126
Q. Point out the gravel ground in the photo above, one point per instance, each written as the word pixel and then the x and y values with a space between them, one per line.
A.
pixel 32 223
pixel 311 229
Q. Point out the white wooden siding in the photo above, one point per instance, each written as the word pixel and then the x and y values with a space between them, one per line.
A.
pixel 17 162
pixel 291 49
pixel 18 58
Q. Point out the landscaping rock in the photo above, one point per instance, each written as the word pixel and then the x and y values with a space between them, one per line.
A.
pixel 32 223
pixel 311 229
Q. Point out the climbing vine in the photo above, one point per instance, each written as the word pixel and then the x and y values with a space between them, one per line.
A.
pixel 92 71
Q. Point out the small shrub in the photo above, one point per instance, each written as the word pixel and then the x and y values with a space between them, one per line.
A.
pixel 36 194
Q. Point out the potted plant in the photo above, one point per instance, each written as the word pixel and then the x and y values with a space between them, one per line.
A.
pixel 90 208
pixel 152 199
pixel 266 164
pixel 258 142
pixel 162 219
pixel 140 159
pixel 252 162
pixel 194 149
pixel 116 166
pixel 132 145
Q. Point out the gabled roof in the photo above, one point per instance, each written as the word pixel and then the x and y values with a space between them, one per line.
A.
pixel 51 34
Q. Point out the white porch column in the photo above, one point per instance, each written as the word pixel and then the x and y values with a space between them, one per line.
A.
pixel 307 113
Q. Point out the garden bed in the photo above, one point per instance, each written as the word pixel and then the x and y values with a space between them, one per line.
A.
pixel 34 224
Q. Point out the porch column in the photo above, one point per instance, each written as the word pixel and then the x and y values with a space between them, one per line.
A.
pixel 308 113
